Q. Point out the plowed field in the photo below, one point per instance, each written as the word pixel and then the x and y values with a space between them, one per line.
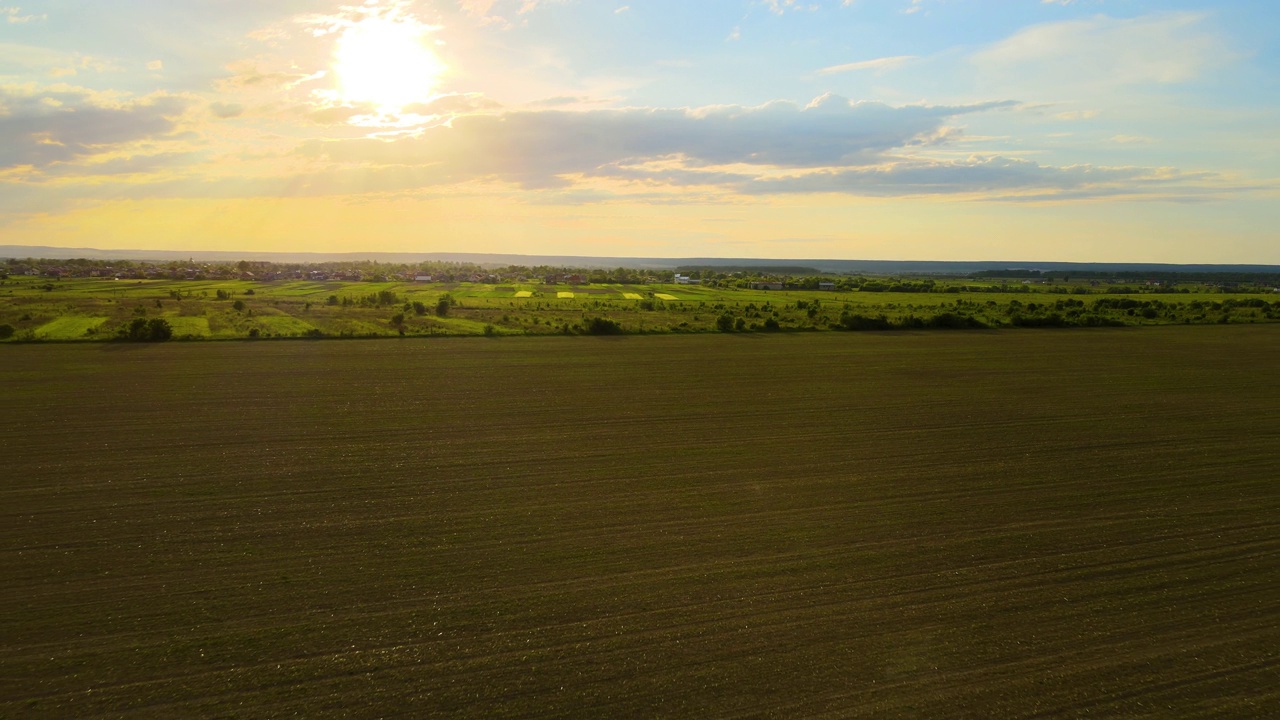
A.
pixel 980 524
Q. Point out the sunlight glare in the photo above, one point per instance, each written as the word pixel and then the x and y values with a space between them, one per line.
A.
pixel 384 62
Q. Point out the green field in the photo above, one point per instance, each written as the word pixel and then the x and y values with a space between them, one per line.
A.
pixel 977 524
pixel 37 309
pixel 69 327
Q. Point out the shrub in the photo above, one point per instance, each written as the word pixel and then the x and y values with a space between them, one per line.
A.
pixel 6 331
pixel 724 323
pixel 603 326
pixel 854 321
pixel 953 321
pixel 143 330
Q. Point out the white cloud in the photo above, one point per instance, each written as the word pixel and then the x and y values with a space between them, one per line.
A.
pixel 1132 139
pixel 1104 52
pixel 14 16
pixel 42 126
pixel 884 63
pixel 536 148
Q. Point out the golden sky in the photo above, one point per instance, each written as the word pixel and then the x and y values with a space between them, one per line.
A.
pixel 879 129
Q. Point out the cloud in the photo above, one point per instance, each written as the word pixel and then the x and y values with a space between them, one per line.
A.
pixel 650 155
pixel 224 111
pixel 14 16
pixel 778 7
pixel 133 164
pixel 884 63
pixel 452 104
pixel 1106 52
pixel 1132 139
pixel 538 148
pixel 992 177
pixel 42 126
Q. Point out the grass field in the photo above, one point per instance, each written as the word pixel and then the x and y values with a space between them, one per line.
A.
pixel 35 309
pixel 69 327
pixel 980 524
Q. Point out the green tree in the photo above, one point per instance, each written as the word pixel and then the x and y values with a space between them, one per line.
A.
pixel 603 326
pixel 159 330
pixel 143 330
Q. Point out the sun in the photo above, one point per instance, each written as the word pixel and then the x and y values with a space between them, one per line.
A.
pixel 384 62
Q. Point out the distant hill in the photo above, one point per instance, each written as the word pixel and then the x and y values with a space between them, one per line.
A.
pixel 876 267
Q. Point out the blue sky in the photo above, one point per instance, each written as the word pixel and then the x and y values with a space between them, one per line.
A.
pixel 897 129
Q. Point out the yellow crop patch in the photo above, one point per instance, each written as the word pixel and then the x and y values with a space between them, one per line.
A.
pixel 664 296
pixel 565 295
pixel 632 296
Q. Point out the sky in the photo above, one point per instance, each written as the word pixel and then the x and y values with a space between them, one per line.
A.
pixel 1051 130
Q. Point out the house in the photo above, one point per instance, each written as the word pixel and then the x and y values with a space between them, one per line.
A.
pixel 422 278
pixel 766 285
pixel 686 280
pixel 827 286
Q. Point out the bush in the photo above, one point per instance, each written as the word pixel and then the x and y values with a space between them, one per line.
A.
pixel 854 321
pixel 771 324
pixel 953 321
pixel 724 323
pixel 143 330
pixel 443 305
pixel 603 326
pixel 6 331
pixel 1051 320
